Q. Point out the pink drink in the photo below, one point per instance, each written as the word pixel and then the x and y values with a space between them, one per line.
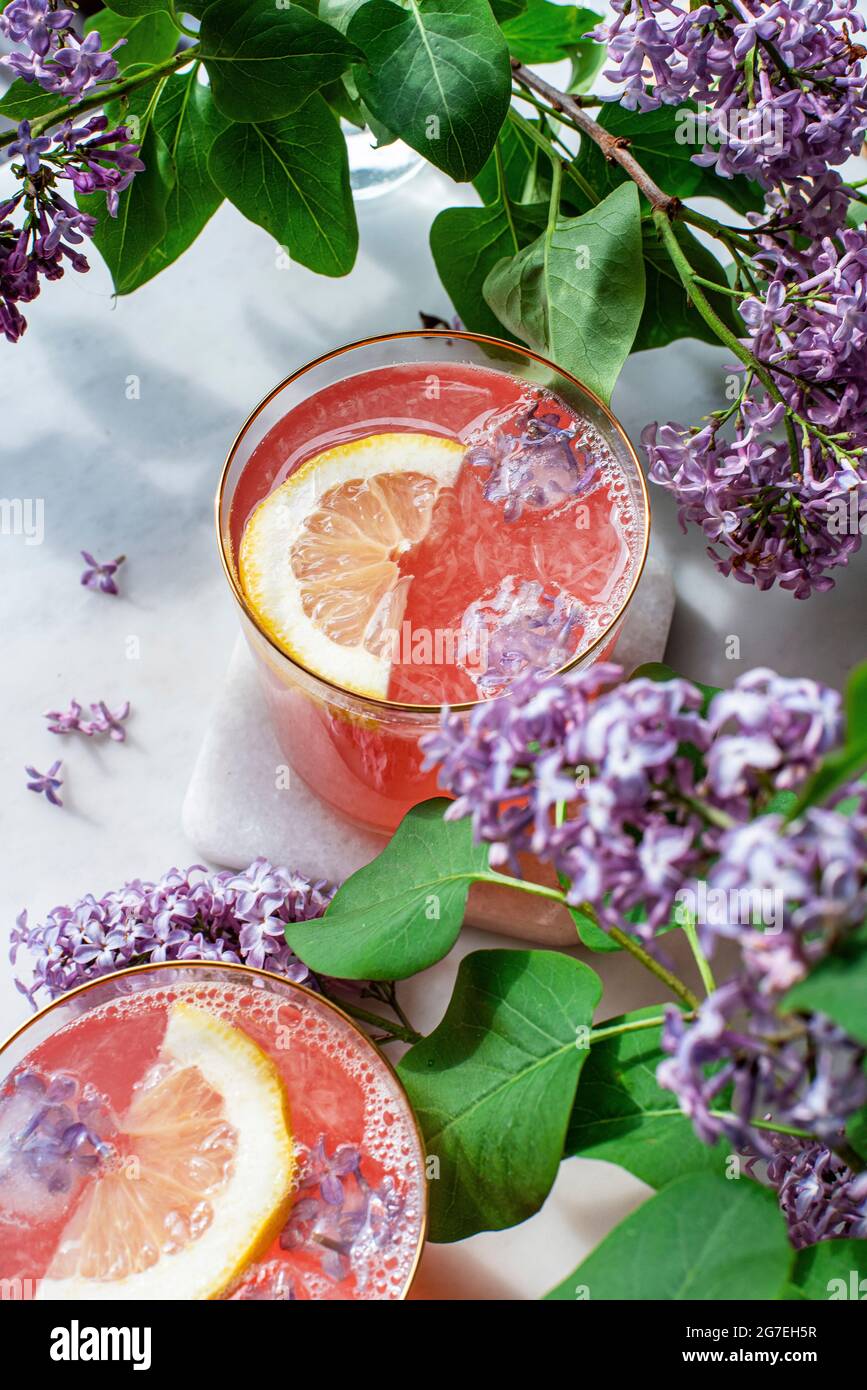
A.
pixel 355 1223
pixel 531 555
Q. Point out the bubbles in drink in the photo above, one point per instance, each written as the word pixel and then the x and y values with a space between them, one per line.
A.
pixel 103 1121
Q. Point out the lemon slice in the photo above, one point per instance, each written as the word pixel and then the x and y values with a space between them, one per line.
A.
pixel 203 1182
pixel 319 556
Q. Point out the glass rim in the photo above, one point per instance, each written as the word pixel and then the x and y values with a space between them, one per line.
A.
pixel 373 701
pixel 240 968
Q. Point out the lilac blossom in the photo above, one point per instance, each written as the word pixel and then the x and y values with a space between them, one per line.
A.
pixel 798 107
pixel 612 753
pixel 532 461
pixel 740 1064
pixel 182 916
pixel 101 575
pixel 50 229
pixel 777 505
pixel 820 1197
pixel 48 783
pixel 641 794
pixel 338 1214
pixel 102 721
pixel 50 1132
pixel 57 59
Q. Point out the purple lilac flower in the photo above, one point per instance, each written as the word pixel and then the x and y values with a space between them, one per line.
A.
pixel 57 59
pixel 779 510
pixel 798 108
pixel 103 721
pixel 48 783
pixel 613 753
pixel 100 576
pixel 739 1062
pixel 182 916
pixel 51 229
pixel 29 148
pixel 34 22
pixel 338 1215
pixel 820 1197
pixel 50 1132
pixel 531 461
pixel 80 64
pixel 520 628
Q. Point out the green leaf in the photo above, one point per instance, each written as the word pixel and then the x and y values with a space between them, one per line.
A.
pixel 468 242
pixel 188 121
pixel 292 177
pixel 403 911
pixel 518 155
pixel 150 35
pixel 856 1132
pixel 702 1238
pixel 26 101
pixel 126 241
pixel 493 1085
pixel 507 9
pixel 844 764
pixel 621 1114
pixel 832 1270
pixel 136 8
pixel 264 61
pixel 577 292
pixel 656 138
pixel 668 312
pixel 546 32
pixel 438 75
pixel 837 987
pixel 339 12
pixel 587 61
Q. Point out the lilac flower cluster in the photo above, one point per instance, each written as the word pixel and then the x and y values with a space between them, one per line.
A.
pixel 102 721
pixel 782 82
pixel 739 1063
pixel 195 915
pixel 787 509
pixel 338 1215
pixel 820 1197
pixel 55 58
pixel 93 159
pixel 532 461
pixel 644 816
pixel 640 797
pixel 49 1131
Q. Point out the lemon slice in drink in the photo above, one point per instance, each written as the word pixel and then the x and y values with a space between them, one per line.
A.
pixel 203 1180
pixel 319 556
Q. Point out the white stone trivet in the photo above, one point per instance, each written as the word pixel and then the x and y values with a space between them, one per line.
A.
pixel 234 810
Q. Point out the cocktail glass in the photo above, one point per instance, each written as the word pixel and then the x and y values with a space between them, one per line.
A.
pixel 352 1126
pixel 360 754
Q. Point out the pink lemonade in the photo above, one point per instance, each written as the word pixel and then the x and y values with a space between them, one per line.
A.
pixel 524 558
pixel 350 1227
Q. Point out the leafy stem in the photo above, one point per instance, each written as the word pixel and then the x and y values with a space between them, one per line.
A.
pixel 393 1032
pixel 701 960
pixel 105 95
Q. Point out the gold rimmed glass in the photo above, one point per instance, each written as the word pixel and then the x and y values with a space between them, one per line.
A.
pixel 359 754
pixel 251 990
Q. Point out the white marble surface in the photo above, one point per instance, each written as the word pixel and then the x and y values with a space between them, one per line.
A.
pixel 206 340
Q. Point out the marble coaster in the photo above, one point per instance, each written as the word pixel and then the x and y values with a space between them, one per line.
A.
pixel 233 812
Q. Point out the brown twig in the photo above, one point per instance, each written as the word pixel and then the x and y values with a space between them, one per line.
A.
pixel 614 147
